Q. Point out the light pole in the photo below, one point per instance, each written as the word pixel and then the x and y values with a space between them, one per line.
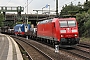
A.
pixel 27 6
pixel 37 15
pixel 27 13
pixel 56 8
pixel 42 10
pixel 49 10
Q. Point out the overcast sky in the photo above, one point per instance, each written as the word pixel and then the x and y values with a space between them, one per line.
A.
pixel 38 4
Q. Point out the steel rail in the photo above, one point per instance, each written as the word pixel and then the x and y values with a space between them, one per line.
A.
pixel 76 54
pixel 29 57
pixel 45 55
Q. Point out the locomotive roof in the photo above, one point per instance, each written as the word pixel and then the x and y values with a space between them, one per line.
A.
pixel 19 25
pixel 50 20
pixel 45 21
pixel 67 19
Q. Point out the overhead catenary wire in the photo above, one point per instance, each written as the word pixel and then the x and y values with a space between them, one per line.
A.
pixel 8 2
pixel 26 4
pixel 65 3
pixel 29 3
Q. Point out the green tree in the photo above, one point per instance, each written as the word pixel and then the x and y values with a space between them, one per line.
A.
pixel 83 20
pixel 87 5
pixel 1 20
pixel 87 25
pixel 70 10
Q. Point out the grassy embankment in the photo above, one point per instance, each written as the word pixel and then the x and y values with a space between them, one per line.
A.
pixel 83 39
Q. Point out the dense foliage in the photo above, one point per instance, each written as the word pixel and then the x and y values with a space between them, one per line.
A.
pixel 1 19
pixel 82 14
pixel 70 10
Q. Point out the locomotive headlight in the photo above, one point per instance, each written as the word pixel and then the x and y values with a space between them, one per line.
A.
pixel 75 35
pixel 62 35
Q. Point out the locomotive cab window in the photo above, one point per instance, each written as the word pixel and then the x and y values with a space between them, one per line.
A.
pixel 71 23
pixel 67 23
pixel 63 23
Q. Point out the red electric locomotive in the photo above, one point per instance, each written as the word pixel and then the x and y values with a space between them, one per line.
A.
pixel 61 30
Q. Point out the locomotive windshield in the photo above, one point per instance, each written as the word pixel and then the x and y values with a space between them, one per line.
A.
pixel 67 23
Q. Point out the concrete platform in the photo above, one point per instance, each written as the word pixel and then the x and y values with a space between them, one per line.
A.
pixel 9 49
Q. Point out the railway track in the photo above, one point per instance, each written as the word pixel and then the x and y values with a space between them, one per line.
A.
pixel 82 51
pixel 84 45
pixel 79 54
pixel 25 54
pixel 49 51
pixel 34 52
pixel 79 51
